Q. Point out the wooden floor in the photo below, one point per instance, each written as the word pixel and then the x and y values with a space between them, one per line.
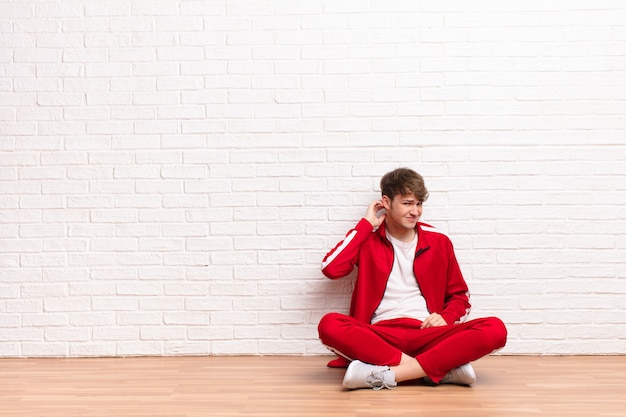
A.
pixel 507 386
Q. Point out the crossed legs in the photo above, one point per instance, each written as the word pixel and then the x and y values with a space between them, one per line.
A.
pixel 412 352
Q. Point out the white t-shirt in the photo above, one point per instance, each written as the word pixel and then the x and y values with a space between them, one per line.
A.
pixel 402 298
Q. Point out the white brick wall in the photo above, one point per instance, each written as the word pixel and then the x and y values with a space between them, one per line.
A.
pixel 172 173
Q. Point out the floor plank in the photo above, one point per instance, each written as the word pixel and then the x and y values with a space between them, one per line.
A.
pixel 302 386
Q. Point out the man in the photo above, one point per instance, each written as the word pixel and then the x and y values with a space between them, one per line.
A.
pixel 410 302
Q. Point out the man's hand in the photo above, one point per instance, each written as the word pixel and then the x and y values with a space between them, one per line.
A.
pixel 434 320
pixel 372 213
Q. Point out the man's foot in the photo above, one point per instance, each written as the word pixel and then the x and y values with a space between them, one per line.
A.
pixel 363 375
pixel 339 362
pixel 463 375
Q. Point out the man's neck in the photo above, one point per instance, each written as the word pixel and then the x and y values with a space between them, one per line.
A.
pixel 400 233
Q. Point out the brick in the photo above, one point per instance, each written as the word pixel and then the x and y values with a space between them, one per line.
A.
pixel 210 333
pixel 44 349
pixel 145 346
pixel 227 347
pixel 66 335
pixel 186 318
pixel 161 333
pixel 209 7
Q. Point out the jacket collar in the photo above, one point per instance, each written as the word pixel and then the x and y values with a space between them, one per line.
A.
pixel 422 238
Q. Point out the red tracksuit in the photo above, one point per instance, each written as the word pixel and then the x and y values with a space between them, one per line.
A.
pixel 437 349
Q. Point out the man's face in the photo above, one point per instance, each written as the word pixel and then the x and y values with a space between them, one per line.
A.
pixel 403 211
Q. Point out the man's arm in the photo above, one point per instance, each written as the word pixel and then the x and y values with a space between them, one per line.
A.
pixel 340 261
pixel 456 306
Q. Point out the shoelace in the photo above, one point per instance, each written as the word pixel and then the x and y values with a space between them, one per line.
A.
pixel 377 381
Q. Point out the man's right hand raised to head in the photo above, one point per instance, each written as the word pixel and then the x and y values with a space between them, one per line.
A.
pixel 372 214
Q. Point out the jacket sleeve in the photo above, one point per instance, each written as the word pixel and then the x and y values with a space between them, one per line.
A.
pixel 456 305
pixel 342 259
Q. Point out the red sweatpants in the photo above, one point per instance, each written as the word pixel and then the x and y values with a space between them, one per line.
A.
pixel 437 349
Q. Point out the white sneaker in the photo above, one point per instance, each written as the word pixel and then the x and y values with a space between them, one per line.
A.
pixel 364 375
pixel 463 375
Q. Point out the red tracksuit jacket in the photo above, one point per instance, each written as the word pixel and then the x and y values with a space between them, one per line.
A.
pixel 435 266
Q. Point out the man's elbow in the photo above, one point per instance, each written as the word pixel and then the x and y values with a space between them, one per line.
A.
pixel 331 273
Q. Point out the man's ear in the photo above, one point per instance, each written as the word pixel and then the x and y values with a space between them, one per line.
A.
pixel 386 202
